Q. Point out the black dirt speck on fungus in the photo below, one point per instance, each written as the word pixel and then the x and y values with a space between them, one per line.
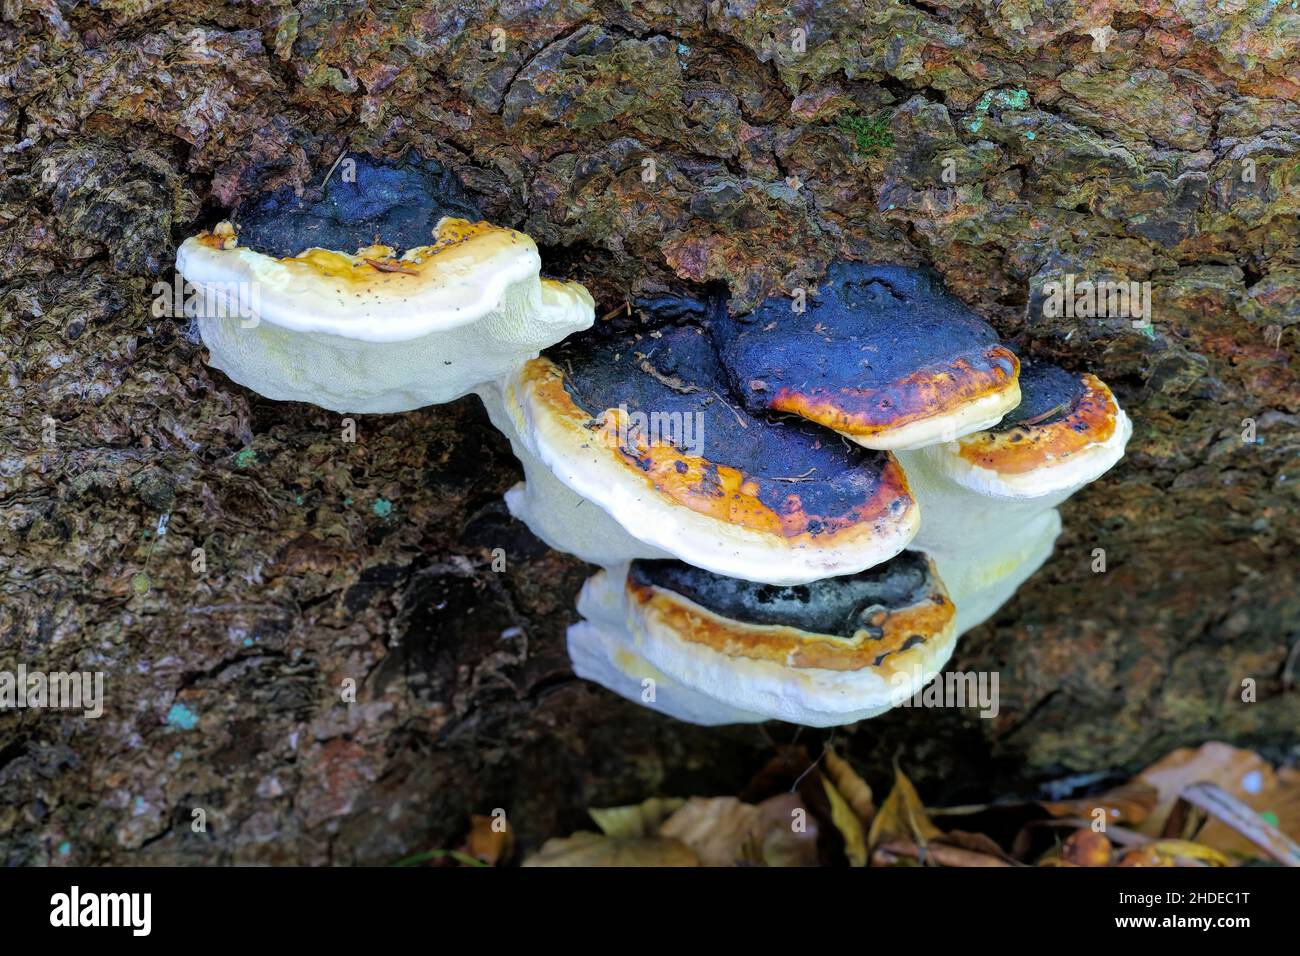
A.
pixel 398 202
pixel 839 606
pixel 676 372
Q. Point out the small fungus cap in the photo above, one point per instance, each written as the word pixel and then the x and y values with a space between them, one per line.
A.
pixel 1067 431
pixel 408 304
pixel 362 199
pixel 825 653
pixel 374 294
pixel 644 426
pixel 881 353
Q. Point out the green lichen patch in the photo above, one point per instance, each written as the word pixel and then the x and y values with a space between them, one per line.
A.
pixel 870 134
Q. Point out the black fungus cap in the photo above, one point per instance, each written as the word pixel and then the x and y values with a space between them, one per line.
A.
pixel 675 372
pixel 395 203
pixel 877 347
pixel 840 606
pixel 1047 393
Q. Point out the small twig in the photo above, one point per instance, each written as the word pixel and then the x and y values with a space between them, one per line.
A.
pixel 676 384
pixel 803 477
pixel 625 307
pixel 1241 817
pixel 794 787
pixel 383 266
pixel 1288 678
pixel 743 424
pixel 338 159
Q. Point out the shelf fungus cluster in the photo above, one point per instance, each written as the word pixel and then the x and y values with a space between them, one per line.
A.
pixel 796 512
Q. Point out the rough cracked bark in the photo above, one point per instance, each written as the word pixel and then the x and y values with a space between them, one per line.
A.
pixel 1148 140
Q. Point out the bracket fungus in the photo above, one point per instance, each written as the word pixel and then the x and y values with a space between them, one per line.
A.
pixel 643 426
pixel 824 653
pixel 374 293
pixel 756 564
pixel 882 354
pixel 988 499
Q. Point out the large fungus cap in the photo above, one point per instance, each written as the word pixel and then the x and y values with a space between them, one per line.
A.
pixel 644 426
pixel 824 653
pixel 881 353
pixel 407 305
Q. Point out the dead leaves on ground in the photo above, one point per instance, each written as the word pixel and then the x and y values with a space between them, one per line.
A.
pixel 701 831
pixel 1210 807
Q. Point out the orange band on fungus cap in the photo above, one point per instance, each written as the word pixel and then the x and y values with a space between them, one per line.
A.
pixel 921 396
pixel 825 653
pixel 743 495
pixel 1027 446
pixel 1066 432
pixel 902 629
pixel 307 298
pixel 881 354
pixel 372 294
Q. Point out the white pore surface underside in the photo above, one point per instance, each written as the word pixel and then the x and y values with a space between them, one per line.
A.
pixel 988 533
pixel 555 513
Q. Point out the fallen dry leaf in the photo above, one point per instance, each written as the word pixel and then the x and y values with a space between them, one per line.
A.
pixel 1128 804
pixel 1241 773
pixel 585 848
pixel 848 823
pixel 790 832
pixel 1242 819
pixel 1174 853
pixel 902 816
pixel 722 831
pixel 489 841
pixel 852 787
pixel 892 852
pixel 639 820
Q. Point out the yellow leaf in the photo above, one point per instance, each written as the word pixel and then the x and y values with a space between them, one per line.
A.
pixel 852 787
pixel 847 822
pixel 640 820
pixel 591 849
pixel 902 815
pixel 1187 850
